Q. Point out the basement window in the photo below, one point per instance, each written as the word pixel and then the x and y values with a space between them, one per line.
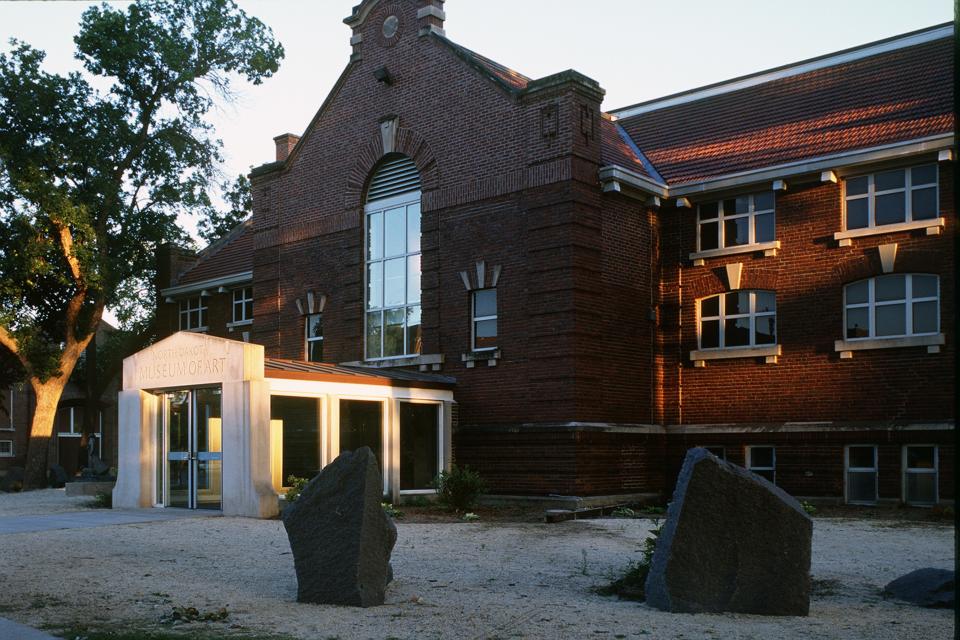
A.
pixel 920 475
pixel 762 460
pixel 860 462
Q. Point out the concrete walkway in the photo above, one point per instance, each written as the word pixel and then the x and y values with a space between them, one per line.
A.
pixel 92 518
pixel 10 630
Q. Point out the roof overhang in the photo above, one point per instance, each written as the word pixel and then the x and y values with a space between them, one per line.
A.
pixel 613 178
pixel 214 283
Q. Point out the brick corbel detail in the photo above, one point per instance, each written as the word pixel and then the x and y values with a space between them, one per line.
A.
pixel 409 143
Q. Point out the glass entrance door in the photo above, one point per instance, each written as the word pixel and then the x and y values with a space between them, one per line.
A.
pixel 193 434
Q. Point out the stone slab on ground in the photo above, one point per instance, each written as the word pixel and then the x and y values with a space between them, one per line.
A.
pixel 732 542
pixel 927 587
pixel 340 537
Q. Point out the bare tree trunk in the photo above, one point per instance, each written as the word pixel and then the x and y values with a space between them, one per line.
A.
pixel 41 430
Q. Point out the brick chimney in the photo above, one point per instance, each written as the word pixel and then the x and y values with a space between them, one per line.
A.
pixel 285 144
pixel 430 17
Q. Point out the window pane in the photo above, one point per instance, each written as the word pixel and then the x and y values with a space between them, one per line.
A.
pixel 361 425
pixel 737 332
pixel 889 180
pixel 740 205
pixel 858 292
pixel 761 457
pixel 375 236
pixel 413 279
pixel 393 333
pixel 763 201
pixel 861 458
pixel 710 334
pixel 890 209
pixel 419 445
pixel 414 330
pixel 413 228
pixel 763 228
pixel 738 302
pixel 736 232
pixel 858 322
pixel 925 286
pixel 861 486
pixel 924 203
pixel 374 332
pixel 315 351
pixel 766 301
pixel 484 303
pixel 766 330
pixel 375 285
pixel 891 320
pixel 891 288
pixel 710 307
pixel 927 174
pixel 708 236
pixel 857 212
pixel 921 488
pixel 485 333
pixel 315 326
pixel 394 232
pixel 920 458
pixel 925 317
pixel 708 210
pixel 857 186
pixel 248 310
pixel 394 289
pixel 301 434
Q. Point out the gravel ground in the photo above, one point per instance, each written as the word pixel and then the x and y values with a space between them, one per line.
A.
pixel 33 503
pixel 465 580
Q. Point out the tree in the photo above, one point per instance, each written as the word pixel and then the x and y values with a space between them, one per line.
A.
pixel 239 200
pixel 91 181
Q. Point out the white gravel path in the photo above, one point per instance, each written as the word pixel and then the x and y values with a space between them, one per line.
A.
pixel 467 581
pixel 31 503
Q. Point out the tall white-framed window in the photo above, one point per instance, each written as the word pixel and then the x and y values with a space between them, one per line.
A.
pixel 392 262
pixel 762 460
pixel 735 222
pixel 313 325
pixel 921 466
pixel 243 305
pixel 483 304
pixel 892 306
pixel 891 197
pixel 739 319
pixel 6 449
pixel 193 314
pixel 860 465
pixel 6 413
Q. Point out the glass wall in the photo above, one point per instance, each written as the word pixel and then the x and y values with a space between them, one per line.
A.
pixel 419 445
pixel 361 425
pixel 301 419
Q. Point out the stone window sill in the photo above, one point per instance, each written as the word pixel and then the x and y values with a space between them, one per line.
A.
pixel 426 362
pixel 768 249
pixel 847 347
pixel 471 358
pixel 769 354
pixel 239 323
pixel 933 227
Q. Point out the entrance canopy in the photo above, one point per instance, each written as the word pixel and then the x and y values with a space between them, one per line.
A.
pixel 272 419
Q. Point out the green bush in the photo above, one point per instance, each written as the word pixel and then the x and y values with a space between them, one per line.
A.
pixel 460 488
pixel 391 510
pixel 296 486
pixel 809 508
pixel 103 500
pixel 632 584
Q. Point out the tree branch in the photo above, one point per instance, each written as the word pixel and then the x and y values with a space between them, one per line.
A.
pixel 66 244
pixel 11 344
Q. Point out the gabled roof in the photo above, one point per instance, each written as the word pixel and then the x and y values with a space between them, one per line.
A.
pixel 895 91
pixel 230 255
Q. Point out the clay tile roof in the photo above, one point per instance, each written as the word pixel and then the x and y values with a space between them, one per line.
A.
pixel 227 256
pixel 615 149
pixel 889 97
pixel 513 80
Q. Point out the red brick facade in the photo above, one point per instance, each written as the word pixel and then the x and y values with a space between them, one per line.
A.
pixel 594 387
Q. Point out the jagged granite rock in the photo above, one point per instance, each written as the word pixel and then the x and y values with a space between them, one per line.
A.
pixel 732 541
pixel 925 587
pixel 340 537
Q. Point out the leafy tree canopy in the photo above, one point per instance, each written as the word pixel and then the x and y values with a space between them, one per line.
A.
pixel 217 223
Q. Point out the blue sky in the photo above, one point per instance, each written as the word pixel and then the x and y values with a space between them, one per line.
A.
pixel 636 49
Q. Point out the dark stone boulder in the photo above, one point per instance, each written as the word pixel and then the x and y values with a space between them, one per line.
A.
pixel 13 480
pixel 732 541
pixel 340 536
pixel 57 476
pixel 925 587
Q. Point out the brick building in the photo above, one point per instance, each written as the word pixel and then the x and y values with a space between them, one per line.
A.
pixel 763 266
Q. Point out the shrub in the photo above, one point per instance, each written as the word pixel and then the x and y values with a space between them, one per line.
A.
pixel 460 487
pixel 391 510
pixel 296 486
pixel 808 508
pixel 632 585
pixel 103 500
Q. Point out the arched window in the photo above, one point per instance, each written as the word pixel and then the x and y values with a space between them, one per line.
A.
pixel 892 306
pixel 738 319
pixel 392 257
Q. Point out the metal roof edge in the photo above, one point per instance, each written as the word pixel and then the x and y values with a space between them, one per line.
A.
pixel 212 283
